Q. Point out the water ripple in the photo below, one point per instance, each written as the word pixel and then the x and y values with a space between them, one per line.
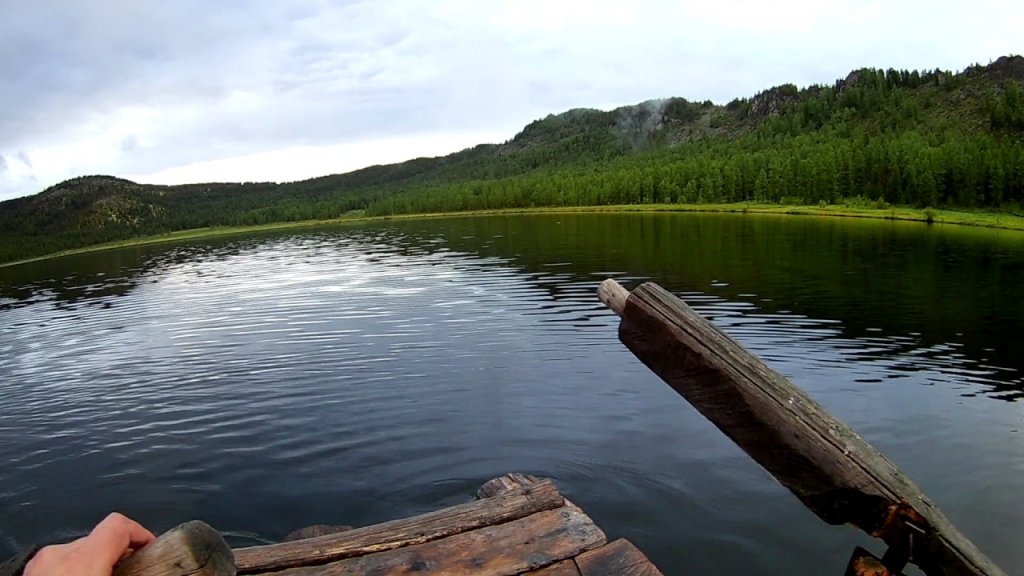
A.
pixel 354 376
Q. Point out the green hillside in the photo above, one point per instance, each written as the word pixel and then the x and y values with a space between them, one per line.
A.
pixel 876 137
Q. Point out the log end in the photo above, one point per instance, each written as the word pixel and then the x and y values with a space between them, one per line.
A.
pixel 614 295
pixel 191 549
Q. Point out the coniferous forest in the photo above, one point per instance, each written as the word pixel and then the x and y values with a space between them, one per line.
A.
pixel 877 137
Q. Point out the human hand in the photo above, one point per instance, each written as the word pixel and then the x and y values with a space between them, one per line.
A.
pixel 94 555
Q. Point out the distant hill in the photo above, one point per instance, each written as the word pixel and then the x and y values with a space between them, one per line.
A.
pixel 929 138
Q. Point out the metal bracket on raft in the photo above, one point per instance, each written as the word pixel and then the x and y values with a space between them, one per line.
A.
pixel 902 531
pixel 864 563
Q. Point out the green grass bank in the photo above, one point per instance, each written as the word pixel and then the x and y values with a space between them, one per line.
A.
pixel 926 216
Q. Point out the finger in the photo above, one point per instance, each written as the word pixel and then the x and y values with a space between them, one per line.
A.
pixel 115 535
pixel 126 529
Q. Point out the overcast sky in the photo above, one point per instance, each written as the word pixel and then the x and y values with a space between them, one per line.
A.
pixel 200 90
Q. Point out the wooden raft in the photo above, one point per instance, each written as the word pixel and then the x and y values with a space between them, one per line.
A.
pixel 518 525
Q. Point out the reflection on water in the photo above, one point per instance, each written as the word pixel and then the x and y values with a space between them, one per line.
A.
pixel 353 375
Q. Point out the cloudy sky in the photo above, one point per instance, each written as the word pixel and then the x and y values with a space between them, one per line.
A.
pixel 198 90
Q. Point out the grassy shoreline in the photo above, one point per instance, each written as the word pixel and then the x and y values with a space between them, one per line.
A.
pixel 928 215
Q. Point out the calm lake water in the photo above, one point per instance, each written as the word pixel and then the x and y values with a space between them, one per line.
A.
pixel 357 374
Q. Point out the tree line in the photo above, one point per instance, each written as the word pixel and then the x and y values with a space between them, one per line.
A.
pixel 880 137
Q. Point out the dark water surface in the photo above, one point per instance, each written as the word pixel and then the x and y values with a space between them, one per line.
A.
pixel 357 374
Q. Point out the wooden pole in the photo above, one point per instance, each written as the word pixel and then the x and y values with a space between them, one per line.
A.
pixel 832 470
pixel 191 549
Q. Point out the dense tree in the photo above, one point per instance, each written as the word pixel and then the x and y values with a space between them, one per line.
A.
pixel 879 137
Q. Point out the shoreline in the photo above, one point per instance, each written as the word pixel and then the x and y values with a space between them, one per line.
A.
pixel 979 219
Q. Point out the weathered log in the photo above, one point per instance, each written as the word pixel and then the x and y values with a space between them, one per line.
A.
pixel 191 549
pixel 619 558
pixel 505 549
pixel 563 568
pixel 516 481
pixel 614 296
pixel 506 483
pixel 834 472
pixel 504 507
pixel 314 531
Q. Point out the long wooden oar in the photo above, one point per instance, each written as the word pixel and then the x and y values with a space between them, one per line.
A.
pixel 832 470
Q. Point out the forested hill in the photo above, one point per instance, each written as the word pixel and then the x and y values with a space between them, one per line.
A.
pixel 884 136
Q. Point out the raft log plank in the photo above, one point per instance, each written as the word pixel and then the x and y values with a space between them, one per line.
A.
pixel 563 568
pixel 315 530
pixel 514 481
pixel 506 483
pixel 504 549
pixel 618 558
pixel 510 505
pixel 191 549
pixel 834 472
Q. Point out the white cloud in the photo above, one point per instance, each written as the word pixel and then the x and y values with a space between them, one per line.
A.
pixel 189 90
pixel 302 162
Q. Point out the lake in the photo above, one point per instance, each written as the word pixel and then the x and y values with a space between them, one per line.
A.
pixel 355 374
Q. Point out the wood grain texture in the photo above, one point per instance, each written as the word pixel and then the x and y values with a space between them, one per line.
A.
pixel 515 481
pixel 563 568
pixel 316 530
pixel 613 295
pixel 506 483
pixel 510 505
pixel 193 548
pixel 618 558
pixel 820 459
pixel 503 550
